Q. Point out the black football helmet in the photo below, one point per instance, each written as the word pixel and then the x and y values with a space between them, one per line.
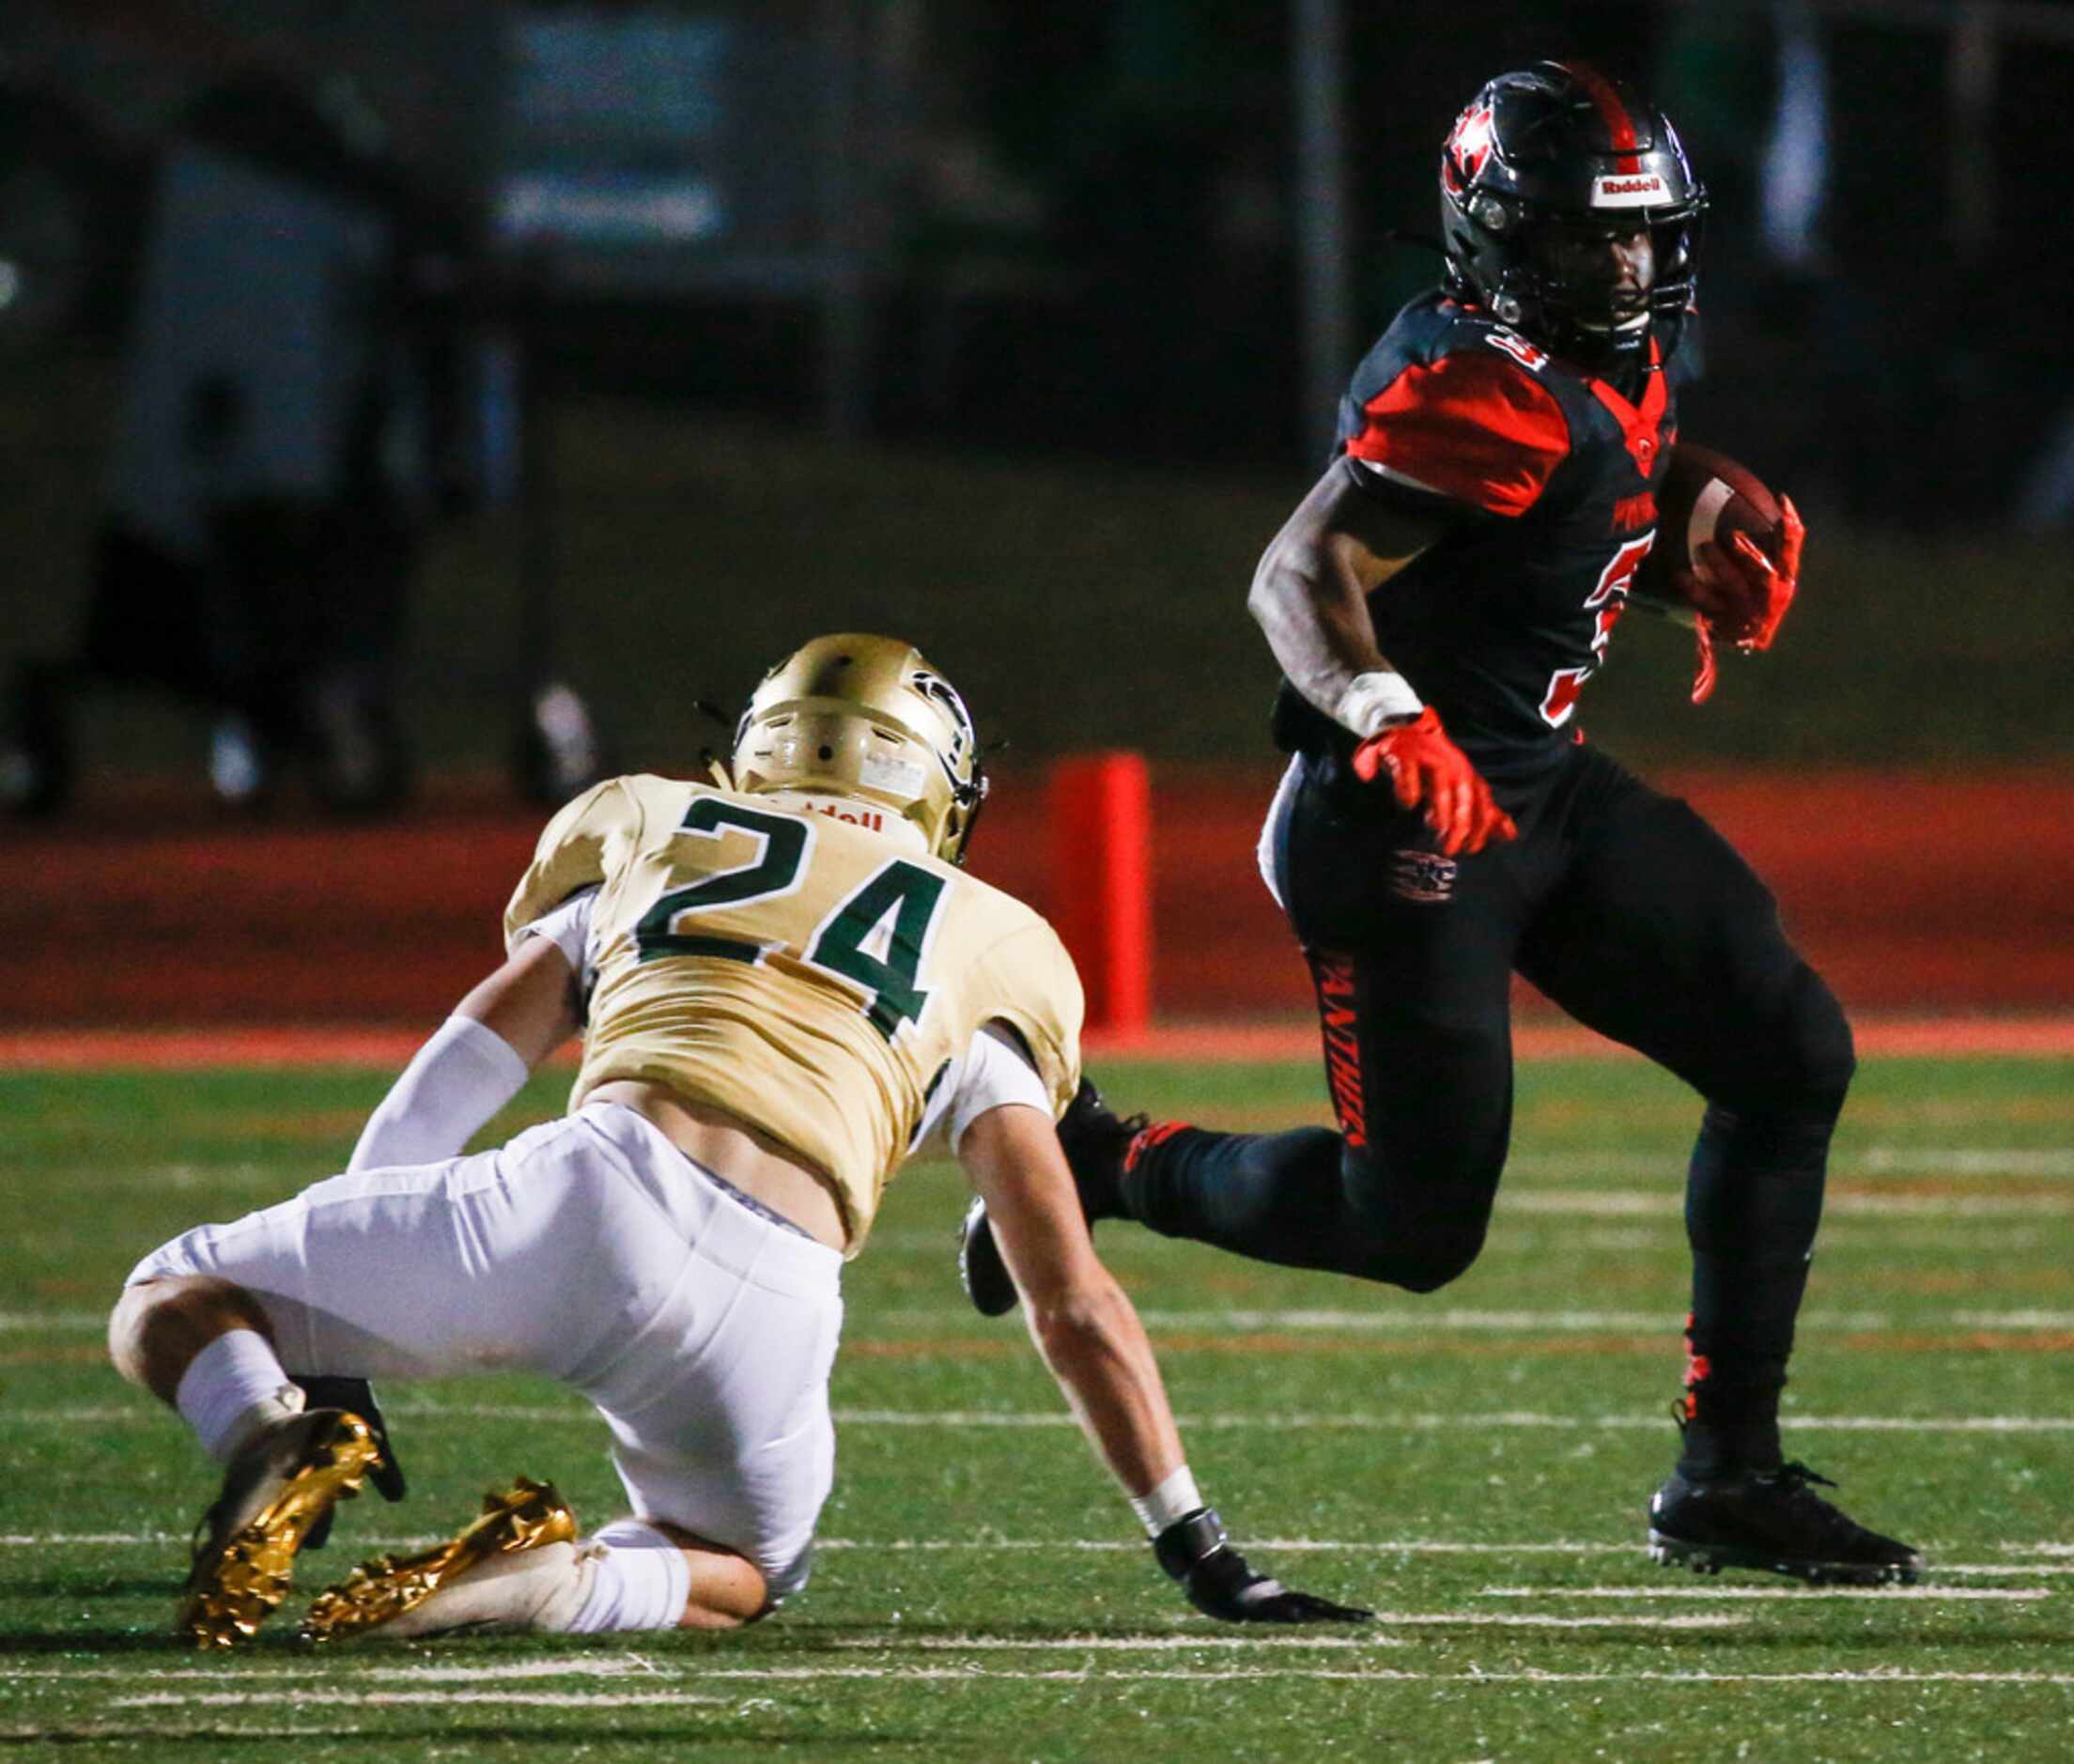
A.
pixel 1561 149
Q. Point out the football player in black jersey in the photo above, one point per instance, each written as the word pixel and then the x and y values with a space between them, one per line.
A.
pixel 1436 602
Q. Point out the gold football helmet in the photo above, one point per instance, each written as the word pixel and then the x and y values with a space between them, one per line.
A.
pixel 867 718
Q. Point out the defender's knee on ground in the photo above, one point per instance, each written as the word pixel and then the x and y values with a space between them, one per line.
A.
pixel 726 1591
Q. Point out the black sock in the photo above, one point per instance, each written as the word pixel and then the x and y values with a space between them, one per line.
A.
pixel 1275 1197
pixel 1752 1203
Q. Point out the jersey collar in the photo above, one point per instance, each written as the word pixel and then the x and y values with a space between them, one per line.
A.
pixel 1641 426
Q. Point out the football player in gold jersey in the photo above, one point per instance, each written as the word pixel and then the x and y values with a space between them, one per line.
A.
pixel 784 983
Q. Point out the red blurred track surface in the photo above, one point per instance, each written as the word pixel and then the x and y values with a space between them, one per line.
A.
pixel 1913 894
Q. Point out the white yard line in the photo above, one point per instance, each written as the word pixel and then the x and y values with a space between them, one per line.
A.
pixel 2055 1565
pixel 1875 1676
pixel 1666 1228
pixel 1670 1200
pixel 1915 1160
pixel 1410 1320
pixel 1375 1319
pixel 1355 1422
pixel 354 1665
pixel 103 1415
pixel 1871 1160
pixel 408 1699
pixel 2015 1319
pixel 1383 1619
pixel 2000 1569
pixel 2023 1595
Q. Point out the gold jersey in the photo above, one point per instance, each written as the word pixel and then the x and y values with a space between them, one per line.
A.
pixel 807 975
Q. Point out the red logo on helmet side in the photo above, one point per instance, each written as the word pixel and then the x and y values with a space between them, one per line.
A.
pixel 1469 146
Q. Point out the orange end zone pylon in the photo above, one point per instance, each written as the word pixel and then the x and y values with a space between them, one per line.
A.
pixel 1101 825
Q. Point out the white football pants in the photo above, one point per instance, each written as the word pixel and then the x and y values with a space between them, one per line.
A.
pixel 592 1250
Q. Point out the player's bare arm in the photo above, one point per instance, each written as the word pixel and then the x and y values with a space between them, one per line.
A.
pixel 1090 1336
pixel 1084 1326
pixel 1310 596
pixel 531 1002
pixel 1310 590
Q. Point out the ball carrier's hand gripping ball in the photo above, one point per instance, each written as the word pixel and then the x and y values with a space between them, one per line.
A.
pixel 1727 555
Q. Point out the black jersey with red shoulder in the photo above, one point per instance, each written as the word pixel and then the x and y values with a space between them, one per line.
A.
pixel 1546 479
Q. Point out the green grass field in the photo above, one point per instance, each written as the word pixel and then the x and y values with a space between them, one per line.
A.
pixel 1474 1464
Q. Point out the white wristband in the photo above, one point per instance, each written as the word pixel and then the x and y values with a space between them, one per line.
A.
pixel 1374 700
pixel 1174 1498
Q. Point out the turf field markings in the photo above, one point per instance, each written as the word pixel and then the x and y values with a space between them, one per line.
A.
pixel 2018 1595
pixel 408 1699
pixel 1884 1240
pixel 1387 1318
pixel 1873 1160
pixel 1354 1421
pixel 1169 1674
pixel 1411 1320
pixel 1340 1421
pixel 1365 1546
pixel 1383 1619
pixel 1882 1160
pixel 100 1731
pixel 2054 1565
pixel 2015 1319
pixel 156 1540
pixel 1669 1201
pixel 1874 1678
pixel 329 1666
pixel 1995 1570
pixel 1643 1233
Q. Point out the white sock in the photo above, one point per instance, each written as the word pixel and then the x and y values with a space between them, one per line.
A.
pixel 640 1580
pixel 232 1388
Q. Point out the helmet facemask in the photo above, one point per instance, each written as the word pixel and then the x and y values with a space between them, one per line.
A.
pixel 1560 155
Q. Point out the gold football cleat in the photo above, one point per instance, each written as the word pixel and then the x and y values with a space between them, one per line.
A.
pixel 531 1516
pixel 276 1491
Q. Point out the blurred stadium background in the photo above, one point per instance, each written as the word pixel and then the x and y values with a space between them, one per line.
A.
pixel 618 348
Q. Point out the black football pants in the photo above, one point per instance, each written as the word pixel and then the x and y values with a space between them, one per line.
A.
pixel 1632 914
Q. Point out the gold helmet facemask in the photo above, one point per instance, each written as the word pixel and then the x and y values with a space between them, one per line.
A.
pixel 868 720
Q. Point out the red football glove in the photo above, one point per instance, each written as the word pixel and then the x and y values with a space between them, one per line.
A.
pixel 1429 771
pixel 1740 593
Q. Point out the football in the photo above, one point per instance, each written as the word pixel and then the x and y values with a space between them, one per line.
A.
pixel 1705 495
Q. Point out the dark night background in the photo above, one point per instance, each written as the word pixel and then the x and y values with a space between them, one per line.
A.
pixel 709 326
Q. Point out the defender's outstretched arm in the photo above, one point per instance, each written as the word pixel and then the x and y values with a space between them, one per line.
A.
pixel 1091 1336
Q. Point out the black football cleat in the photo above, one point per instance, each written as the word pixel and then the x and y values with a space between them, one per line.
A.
pixel 1772 1520
pixel 356 1395
pixel 1096 1142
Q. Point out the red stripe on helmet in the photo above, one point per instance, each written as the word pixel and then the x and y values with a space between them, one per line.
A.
pixel 1612 112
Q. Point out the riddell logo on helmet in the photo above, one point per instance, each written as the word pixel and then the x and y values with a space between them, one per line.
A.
pixel 1634 191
